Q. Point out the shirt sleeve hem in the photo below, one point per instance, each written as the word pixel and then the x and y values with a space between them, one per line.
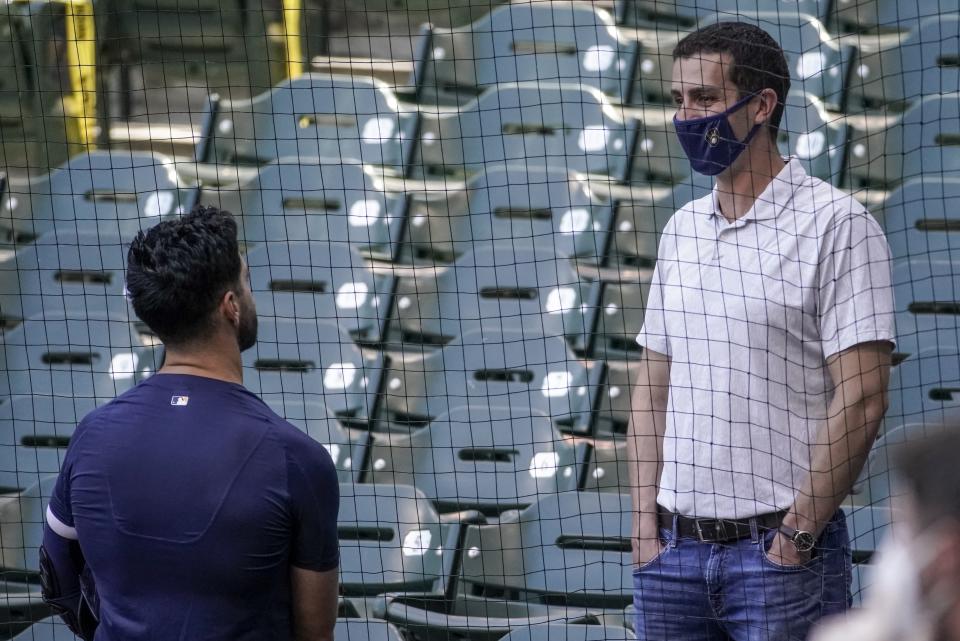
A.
pixel 654 343
pixel 844 343
pixel 325 566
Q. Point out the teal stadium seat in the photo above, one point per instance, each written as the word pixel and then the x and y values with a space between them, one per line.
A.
pixel 523 286
pixel 65 271
pixel 347 447
pixel 923 141
pixel 619 319
pixel 93 355
pixel 664 14
pixel 111 193
pixel 925 61
pixel 887 15
pixel 922 218
pixel 525 42
pixel 315 115
pixel 545 206
pixel 296 199
pixel 925 387
pixel 329 281
pixel 927 297
pixel 315 360
pixel 35 432
pixel 613 406
pixel 532 124
pixel 391 538
pixel 499 365
pixel 816 137
pixel 570 632
pixel 490 459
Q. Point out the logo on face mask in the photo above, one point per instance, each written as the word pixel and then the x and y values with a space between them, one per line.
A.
pixel 710 142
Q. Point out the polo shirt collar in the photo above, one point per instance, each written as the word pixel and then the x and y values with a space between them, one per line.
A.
pixel 774 197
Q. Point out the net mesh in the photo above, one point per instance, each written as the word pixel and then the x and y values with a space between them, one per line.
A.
pixel 457 217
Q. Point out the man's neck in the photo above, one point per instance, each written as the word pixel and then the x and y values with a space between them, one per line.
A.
pixel 217 359
pixel 739 187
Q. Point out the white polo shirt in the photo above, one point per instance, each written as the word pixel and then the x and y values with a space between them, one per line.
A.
pixel 748 313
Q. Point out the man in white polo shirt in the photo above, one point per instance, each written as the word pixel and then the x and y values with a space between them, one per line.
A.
pixel 767 342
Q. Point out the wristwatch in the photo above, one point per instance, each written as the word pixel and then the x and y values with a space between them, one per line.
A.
pixel 802 540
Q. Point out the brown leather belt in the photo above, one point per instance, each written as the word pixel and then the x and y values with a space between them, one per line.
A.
pixel 719 530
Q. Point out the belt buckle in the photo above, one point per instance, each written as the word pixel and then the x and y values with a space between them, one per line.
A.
pixel 718 527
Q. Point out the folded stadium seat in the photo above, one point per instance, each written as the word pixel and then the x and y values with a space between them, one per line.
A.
pixel 54 629
pixel 887 15
pixel 521 42
pixel 491 364
pixel 522 285
pixel 347 447
pixel 301 199
pixel 569 632
pixel 112 193
pixel 925 387
pixel 657 157
pixel 315 115
pixel 608 469
pixel 480 457
pixel 93 355
pixel 65 271
pixel 329 281
pixel 922 218
pixel 314 359
pixel 922 141
pixel 816 137
pixel 391 538
pixel 34 434
pixel 927 298
pixel 661 14
pixel 564 558
pixel 545 206
pixel 613 407
pixel 922 62
pixel 619 319
pixel 819 64
pixel 531 124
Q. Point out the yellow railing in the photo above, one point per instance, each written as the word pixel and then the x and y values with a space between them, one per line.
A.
pixel 80 104
pixel 292 20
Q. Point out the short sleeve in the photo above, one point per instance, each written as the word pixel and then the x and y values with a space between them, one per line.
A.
pixel 60 504
pixel 856 294
pixel 315 502
pixel 653 333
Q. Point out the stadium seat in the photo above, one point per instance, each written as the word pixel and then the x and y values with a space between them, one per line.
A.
pixel 571 548
pixel 608 470
pixel 315 115
pixel 619 319
pixel 613 407
pixel 347 447
pixel 391 538
pixel 815 136
pixel 529 124
pixel 887 15
pixel 921 142
pixel 818 63
pixel 525 42
pixel 927 298
pixel 923 62
pixel 685 14
pixel 21 526
pixel 65 271
pixel 925 387
pixel 113 193
pixel 502 365
pixel 329 281
pixel 94 355
pixel 569 632
pixel 921 218
pixel 298 199
pixel 313 359
pixel 479 457
pixel 545 206
pixel 34 434
pixel 523 286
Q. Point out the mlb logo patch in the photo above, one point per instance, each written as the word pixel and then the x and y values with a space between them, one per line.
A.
pixel 180 401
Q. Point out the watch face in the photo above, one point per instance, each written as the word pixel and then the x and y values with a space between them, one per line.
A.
pixel 804 541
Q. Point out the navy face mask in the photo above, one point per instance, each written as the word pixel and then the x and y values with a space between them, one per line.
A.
pixel 710 143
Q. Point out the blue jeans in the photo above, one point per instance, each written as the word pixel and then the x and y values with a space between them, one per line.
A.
pixel 697 591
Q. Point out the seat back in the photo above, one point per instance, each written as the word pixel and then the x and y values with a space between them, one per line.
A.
pixel 815 136
pixel 927 297
pixel 21 526
pixel 921 218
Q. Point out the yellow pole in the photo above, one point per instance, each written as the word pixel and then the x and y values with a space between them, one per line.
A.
pixel 81 45
pixel 292 14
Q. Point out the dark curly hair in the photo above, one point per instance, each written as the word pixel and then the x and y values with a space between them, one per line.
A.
pixel 758 60
pixel 178 270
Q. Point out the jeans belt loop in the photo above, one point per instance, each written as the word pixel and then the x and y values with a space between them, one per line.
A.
pixel 754 530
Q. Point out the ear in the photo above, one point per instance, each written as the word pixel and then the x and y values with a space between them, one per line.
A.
pixel 765 106
pixel 230 307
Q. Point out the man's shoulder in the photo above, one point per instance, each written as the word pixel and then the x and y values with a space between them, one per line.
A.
pixel 689 214
pixel 830 205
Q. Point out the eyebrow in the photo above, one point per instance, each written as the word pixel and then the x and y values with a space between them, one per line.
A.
pixel 697 92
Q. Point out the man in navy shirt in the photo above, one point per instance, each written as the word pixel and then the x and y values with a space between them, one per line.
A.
pixel 185 508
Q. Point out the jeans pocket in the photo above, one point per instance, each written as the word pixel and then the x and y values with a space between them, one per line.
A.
pixel 765 559
pixel 666 543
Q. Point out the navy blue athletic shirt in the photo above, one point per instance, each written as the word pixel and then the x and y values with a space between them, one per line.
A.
pixel 191 500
